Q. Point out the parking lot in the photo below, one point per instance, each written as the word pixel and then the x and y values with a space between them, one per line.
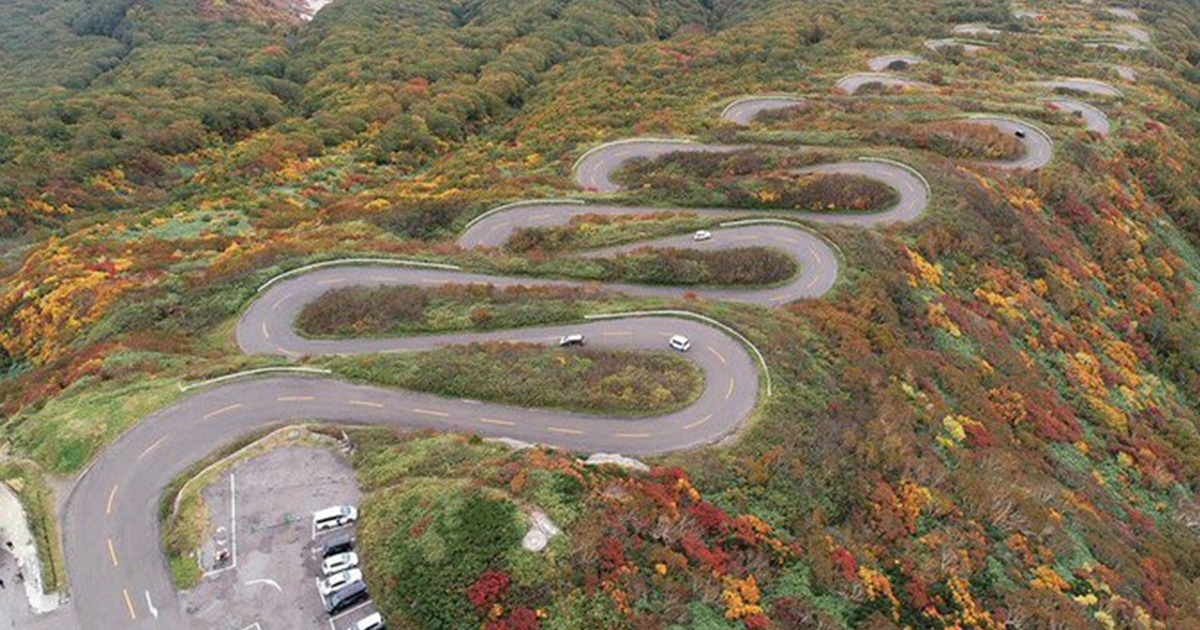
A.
pixel 262 516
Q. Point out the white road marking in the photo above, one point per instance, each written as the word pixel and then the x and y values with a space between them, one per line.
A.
pixel 718 354
pixel 150 605
pixel 366 403
pixel 632 435
pixel 266 333
pixel 271 583
pixel 294 398
pixel 280 301
pixel 153 446
pixel 111 495
pixel 222 410
pixel 112 553
pixel 331 281
pixel 567 431
pixel 430 412
pixel 503 423
pixel 698 422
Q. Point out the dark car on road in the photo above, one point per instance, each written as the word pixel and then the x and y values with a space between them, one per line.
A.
pixel 338 544
pixel 345 597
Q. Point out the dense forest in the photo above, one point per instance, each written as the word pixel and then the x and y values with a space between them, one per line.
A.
pixel 993 419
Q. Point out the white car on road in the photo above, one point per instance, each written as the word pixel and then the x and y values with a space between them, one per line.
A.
pixel 336 581
pixel 701 235
pixel 339 563
pixel 571 340
pixel 680 343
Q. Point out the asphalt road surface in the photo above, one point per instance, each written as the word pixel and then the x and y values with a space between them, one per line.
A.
pixel 851 83
pixel 118 573
pixel 744 110
pixel 1093 118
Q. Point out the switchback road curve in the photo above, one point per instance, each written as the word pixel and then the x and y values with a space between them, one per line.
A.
pixel 112 534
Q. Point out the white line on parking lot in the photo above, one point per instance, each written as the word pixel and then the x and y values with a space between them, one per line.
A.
pixel 266 581
pixel 253 626
pixel 232 529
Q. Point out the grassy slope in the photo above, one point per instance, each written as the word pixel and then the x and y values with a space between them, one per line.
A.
pixel 595 381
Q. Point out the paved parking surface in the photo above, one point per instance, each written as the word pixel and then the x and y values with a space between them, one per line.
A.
pixel 270 578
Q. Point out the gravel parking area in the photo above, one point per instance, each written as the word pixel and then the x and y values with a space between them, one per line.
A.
pixel 264 517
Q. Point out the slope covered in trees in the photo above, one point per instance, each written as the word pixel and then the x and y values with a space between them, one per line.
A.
pixel 994 418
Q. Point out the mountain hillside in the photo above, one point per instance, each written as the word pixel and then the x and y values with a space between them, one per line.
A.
pixel 993 418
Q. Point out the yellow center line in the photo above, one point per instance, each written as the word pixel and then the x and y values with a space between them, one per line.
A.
pixel 632 435
pixel 111 495
pixel 222 410
pixel 365 403
pixel 331 281
pixel 153 446
pixel 430 412
pixel 714 351
pixel 698 422
pixel 503 423
pixel 129 604
pixel 616 333
pixel 730 392
pixel 568 431
pixel 266 333
pixel 294 398
pixel 112 553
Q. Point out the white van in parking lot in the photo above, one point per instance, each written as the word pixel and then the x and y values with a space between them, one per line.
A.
pixel 335 516
pixel 373 621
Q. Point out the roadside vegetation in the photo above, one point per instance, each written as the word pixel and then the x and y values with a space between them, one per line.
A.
pixel 590 231
pixel 751 180
pixel 745 267
pixel 626 383
pixel 398 310
pixel 442 521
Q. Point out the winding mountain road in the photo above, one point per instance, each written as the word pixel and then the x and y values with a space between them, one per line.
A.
pixel 111 528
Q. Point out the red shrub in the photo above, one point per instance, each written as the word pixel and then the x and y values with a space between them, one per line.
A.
pixel 490 588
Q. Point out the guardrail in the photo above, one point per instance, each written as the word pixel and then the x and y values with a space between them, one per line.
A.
pixel 518 204
pixel 256 372
pixel 703 318
pixel 358 261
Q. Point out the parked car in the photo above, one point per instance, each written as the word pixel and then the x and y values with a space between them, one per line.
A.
pixel 373 621
pixel 1020 133
pixel 334 517
pixel 571 340
pixel 680 343
pixel 339 563
pixel 701 235
pixel 346 597
pixel 337 581
pixel 340 543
